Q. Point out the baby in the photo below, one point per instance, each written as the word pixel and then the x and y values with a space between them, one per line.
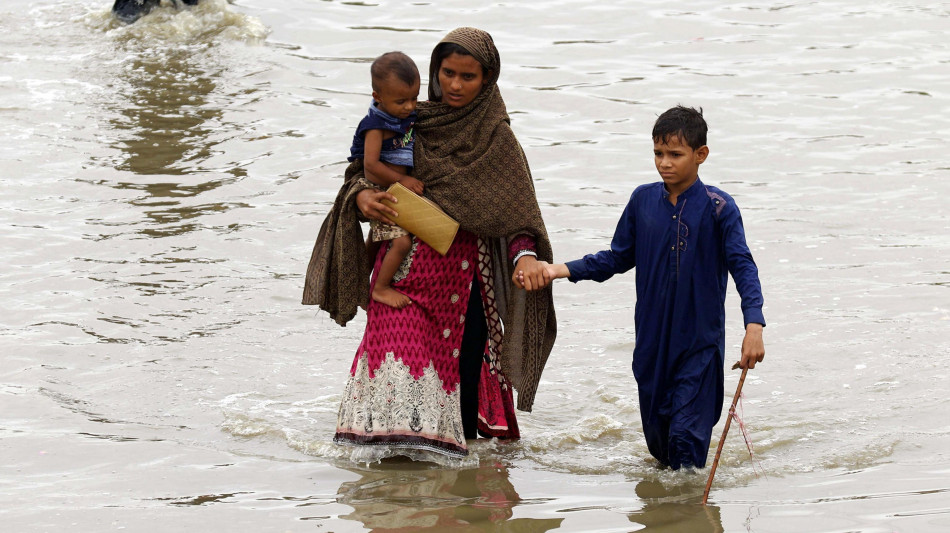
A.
pixel 384 141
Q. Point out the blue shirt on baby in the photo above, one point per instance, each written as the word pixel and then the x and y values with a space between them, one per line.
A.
pixel 396 150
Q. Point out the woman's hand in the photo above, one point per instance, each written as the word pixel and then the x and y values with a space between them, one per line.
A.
pixel 531 274
pixel 369 202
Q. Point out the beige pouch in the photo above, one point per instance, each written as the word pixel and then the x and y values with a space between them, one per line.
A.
pixel 421 217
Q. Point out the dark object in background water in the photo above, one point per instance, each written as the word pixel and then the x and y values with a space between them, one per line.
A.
pixel 128 11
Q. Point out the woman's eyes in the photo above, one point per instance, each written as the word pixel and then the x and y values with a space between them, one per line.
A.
pixel 452 73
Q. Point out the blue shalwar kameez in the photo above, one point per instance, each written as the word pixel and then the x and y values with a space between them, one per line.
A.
pixel 682 254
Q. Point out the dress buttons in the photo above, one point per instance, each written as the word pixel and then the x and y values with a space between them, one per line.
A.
pixel 446 333
pixel 454 298
pixel 461 319
pixel 455 353
pixel 464 265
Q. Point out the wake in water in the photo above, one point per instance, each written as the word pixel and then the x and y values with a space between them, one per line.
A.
pixel 208 22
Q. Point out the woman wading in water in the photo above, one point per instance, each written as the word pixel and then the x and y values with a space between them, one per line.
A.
pixel 441 370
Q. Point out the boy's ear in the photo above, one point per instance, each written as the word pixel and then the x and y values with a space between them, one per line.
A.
pixel 701 154
pixel 375 97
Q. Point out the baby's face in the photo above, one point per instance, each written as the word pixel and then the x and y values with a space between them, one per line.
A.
pixel 396 97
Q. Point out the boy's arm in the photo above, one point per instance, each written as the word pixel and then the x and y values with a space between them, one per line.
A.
pixel 375 170
pixel 601 266
pixel 620 258
pixel 741 265
pixel 746 277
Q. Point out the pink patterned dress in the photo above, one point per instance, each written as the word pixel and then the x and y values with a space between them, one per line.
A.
pixel 403 390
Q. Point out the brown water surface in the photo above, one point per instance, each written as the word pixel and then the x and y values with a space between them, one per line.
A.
pixel 163 183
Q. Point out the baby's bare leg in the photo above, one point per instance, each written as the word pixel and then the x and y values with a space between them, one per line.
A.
pixel 383 291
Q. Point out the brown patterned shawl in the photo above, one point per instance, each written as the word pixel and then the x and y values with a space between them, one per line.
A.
pixel 474 168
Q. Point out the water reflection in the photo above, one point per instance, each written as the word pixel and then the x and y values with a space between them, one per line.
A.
pixel 166 113
pixel 406 496
pixel 675 510
pixel 166 126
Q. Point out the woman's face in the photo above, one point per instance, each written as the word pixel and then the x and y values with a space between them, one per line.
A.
pixel 461 79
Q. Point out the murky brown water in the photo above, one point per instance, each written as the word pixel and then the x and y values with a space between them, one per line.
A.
pixel 163 184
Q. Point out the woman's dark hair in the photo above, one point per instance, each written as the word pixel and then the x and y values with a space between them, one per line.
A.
pixel 683 122
pixel 444 50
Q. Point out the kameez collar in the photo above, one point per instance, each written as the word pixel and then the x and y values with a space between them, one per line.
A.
pixel 696 186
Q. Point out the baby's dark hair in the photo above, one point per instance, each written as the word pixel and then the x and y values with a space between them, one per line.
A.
pixel 686 123
pixel 395 64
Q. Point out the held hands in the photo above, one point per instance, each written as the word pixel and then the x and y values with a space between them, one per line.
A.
pixel 753 348
pixel 412 184
pixel 530 274
pixel 537 274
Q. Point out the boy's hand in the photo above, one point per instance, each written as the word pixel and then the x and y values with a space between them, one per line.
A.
pixel 753 348
pixel 530 274
pixel 412 184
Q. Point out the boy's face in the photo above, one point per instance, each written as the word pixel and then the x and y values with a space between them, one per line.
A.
pixel 397 98
pixel 677 163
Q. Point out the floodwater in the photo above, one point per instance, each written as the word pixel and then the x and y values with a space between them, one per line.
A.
pixel 162 185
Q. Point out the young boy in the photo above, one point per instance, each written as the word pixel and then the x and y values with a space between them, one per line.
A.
pixel 683 237
pixel 384 141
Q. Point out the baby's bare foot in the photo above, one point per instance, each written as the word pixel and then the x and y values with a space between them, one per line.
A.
pixel 391 297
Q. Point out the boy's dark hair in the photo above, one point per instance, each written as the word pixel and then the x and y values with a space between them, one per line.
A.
pixel 395 64
pixel 686 123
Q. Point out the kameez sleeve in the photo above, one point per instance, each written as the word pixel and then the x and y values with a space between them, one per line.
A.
pixel 741 265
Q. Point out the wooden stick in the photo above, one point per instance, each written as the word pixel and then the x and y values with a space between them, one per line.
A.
pixel 725 430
